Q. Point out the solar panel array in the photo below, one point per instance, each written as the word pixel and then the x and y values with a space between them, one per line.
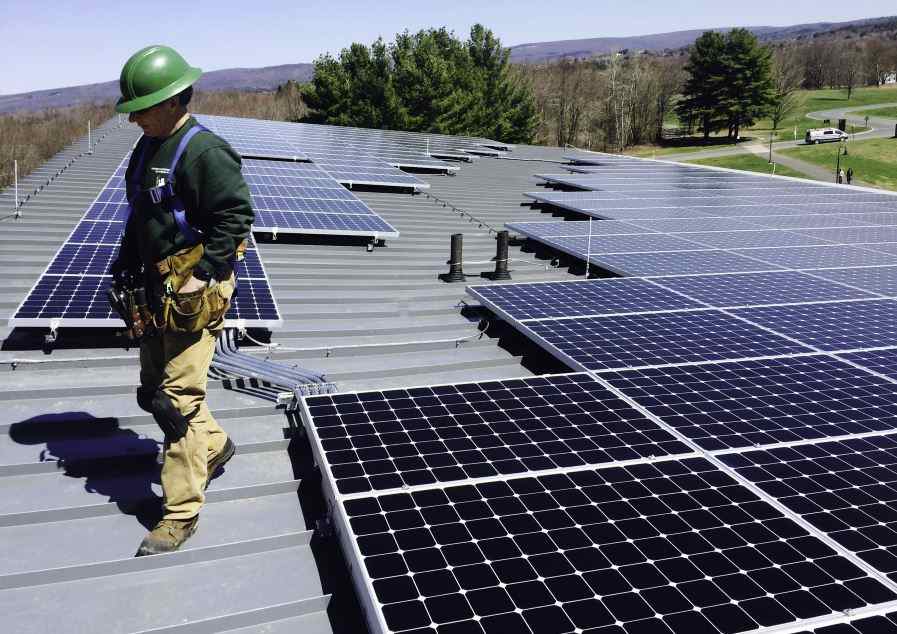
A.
pixel 296 197
pixel 727 463
pixel 71 292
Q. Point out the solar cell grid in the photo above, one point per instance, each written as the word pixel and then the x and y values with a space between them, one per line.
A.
pixel 82 259
pixel 876 279
pixel 567 299
pixel 748 239
pixel 819 257
pixel 97 232
pixel 310 223
pixel 744 289
pixel 881 361
pixel 846 489
pixel 374 441
pixel 683 225
pixel 295 192
pixel 831 326
pixel 855 235
pixel 674 546
pixel 70 296
pixel 752 403
pixel 638 340
pixel 107 211
pixel 808 222
pixel 311 205
pixel 576 228
pixel 678 263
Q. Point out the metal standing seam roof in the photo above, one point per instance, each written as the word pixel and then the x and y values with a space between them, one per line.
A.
pixel 78 458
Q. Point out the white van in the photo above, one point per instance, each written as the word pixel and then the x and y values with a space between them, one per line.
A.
pixel 823 135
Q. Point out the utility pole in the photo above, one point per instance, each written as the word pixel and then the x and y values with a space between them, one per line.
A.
pixel 838 163
pixel 770 147
pixel 89 149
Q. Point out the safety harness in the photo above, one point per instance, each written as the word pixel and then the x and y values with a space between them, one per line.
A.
pixel 164 190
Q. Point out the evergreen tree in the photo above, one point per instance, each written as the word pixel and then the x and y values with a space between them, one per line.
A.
pixel 705 85
pixel 749 92
pixel 730 82
pixel 429 81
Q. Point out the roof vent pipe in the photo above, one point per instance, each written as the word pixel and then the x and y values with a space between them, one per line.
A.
pixel 501 257
pixel 455 272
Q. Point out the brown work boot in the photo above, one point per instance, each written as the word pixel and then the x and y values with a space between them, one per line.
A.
pixel 167 536
pixel 227 452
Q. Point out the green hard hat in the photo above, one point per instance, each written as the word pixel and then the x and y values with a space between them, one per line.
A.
pixel 152 75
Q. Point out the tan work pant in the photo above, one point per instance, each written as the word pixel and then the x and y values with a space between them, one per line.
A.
pixel 178 364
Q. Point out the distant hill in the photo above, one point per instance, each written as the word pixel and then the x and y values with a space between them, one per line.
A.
pixel 658 42
pixel 238 79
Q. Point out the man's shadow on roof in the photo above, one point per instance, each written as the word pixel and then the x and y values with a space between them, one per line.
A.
pixel 115 463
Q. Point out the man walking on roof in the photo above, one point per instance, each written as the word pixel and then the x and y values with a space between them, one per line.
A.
pixel 189 218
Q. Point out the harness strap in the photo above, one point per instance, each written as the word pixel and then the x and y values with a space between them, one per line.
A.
pixel 166 191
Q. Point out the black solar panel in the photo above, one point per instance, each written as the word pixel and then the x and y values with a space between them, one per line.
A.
pixel 419 436
pixel 674 546
pixel 746 403
pixel 832 326
pixel 847 489
pixel 628 341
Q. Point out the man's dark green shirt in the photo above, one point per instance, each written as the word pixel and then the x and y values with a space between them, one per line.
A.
pixel 208 181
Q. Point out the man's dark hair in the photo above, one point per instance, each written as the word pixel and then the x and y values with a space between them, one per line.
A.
pixel 185 96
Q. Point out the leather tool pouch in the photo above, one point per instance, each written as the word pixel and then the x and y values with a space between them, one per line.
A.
pixel 191 312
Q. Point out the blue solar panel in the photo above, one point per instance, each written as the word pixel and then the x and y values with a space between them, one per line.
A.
pixel 854 235
pixel 567 299
pixel 876 279
pixel 681 225
pixel 680 263
pixel 418 436
pixel 635 340
pixel 263 189
pixel 845 489
pixel 576 228
pixel 83 259
pixel 670 547
pixel 300 204
pixel 335 224
pixel 92 232
pixel 809 221
pixel 881 361
pixel 819 257
pixel 748 239
pixel 72 290
pixel 69 296
pixel 748 403
pixel 832 326
pixel 107 211
pixel 744 289
pixel 253 302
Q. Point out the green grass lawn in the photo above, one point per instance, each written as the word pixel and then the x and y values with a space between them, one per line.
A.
pixel 826 99
pixel 748 163
pixel 874 161
pixel 650 151
pixel 882 112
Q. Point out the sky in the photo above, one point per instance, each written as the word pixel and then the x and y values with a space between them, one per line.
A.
pixel 45 46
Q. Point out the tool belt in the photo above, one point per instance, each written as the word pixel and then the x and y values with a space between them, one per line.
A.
pixel 196 310
pixel 129 300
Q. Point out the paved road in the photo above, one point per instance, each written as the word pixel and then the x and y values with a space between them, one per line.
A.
pixel 882 127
